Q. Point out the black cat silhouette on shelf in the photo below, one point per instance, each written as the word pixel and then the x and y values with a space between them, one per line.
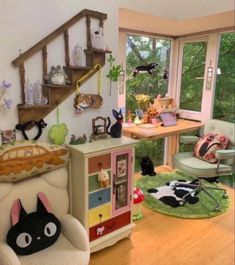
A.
pixel 147 166
pixel 145 68
pixel 116 128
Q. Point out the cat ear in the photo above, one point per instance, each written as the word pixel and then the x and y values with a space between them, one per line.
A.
pixel 115 113
pixel 17 212
pixel 43 204
pixel 120 111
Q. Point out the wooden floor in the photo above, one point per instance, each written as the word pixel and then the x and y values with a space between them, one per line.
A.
pixel 159 239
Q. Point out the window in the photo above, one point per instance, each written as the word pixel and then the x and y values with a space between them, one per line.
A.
pixel 192 76
pixel 225 82
pixel 142 50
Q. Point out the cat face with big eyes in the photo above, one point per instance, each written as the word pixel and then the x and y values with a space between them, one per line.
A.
pixel 34 231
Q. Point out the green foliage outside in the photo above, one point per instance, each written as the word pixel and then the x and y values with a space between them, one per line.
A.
pixel 224 103
pixel 193 67
pixel 143 51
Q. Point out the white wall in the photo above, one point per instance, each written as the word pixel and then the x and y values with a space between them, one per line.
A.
pixel 25 22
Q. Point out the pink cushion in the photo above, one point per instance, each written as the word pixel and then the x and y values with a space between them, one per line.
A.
pixel 206 147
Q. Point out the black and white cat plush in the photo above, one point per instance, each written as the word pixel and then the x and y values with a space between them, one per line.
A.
pixel 116 128
pixel 34 231
pixel 145 68
pixel 147 166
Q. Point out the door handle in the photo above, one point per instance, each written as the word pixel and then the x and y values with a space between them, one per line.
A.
pixel 114 184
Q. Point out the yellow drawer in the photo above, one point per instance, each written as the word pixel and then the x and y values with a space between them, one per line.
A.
pixel 99 214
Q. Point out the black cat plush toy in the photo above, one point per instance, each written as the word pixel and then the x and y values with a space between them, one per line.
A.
pixel 116 128
pixel 34 231
pixel 147 166
pixel 145 69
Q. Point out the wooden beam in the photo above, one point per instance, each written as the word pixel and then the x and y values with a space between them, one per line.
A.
pixel 38 46
pixel 145 33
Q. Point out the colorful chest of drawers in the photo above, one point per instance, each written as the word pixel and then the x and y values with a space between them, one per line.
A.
pixel 104 211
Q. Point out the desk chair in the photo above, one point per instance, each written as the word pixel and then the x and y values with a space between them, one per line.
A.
pixel 191 165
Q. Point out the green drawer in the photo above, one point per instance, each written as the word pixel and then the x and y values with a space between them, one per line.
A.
pixel 94 184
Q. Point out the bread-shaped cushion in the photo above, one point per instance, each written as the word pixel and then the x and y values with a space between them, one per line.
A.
pixel 34 231
pixel 24 159
pixel 206 146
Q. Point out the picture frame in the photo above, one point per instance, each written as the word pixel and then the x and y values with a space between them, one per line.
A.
pixel 122 167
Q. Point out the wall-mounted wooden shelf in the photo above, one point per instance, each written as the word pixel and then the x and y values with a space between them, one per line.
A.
pixel 54 93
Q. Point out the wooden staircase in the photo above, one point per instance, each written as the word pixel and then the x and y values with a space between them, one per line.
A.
pixel 55 93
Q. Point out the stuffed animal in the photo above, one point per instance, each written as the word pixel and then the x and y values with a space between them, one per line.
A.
pixel 32 232
pixel 147 166
pixel 145 68
pixel 97 39
pixel 103 178
pixel 116 128
pixel 57 76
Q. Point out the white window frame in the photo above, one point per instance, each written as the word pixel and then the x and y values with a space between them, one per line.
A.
pixel 207 94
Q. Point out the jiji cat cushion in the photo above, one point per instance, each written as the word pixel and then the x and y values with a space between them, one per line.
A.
pixel 34 231
pixel 206 147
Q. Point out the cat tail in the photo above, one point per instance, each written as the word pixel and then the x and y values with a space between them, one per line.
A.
pixel 107 127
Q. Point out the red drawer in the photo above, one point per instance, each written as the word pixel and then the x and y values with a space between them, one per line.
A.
pixel 109 226
pixel 97 162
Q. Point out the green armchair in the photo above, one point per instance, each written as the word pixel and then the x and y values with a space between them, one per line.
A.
pixel 191 165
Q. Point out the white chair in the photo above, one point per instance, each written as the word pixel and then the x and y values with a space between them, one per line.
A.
pixel 193 166
pixel 72 246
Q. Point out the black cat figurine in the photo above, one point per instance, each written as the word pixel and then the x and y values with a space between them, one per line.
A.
pixel 34 231
pixel 116 128
pixel 147 166
pixel 145 68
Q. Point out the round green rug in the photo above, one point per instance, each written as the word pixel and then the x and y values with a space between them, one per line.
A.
pixel 204 208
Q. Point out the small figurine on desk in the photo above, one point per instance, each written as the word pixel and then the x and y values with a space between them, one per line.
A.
pixel 129 117
pixel 147 166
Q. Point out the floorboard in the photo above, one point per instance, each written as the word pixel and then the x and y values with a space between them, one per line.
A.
pixel 158 239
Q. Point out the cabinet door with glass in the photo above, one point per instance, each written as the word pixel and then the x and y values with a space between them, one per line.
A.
pixel 121 174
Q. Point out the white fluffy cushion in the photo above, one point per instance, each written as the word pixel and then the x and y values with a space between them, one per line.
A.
pixel 60 253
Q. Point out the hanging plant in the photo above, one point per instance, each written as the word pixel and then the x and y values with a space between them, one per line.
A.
pixel 114 71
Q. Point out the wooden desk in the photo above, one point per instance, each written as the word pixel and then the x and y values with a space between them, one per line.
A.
pixel 172 132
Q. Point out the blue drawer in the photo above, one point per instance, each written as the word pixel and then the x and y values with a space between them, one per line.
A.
pixel 99 197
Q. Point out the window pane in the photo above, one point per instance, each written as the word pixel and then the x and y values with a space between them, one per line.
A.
pixel 225 83
pixel 194 57
pixel 143 51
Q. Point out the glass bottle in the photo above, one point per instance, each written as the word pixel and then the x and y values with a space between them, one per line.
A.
pixel 38 92
pixel 28 92
pixel 77 55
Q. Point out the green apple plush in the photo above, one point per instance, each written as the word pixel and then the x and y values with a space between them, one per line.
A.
pixel 58 132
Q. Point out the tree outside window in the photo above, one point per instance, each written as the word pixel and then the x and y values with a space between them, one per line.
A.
pixel 143 50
